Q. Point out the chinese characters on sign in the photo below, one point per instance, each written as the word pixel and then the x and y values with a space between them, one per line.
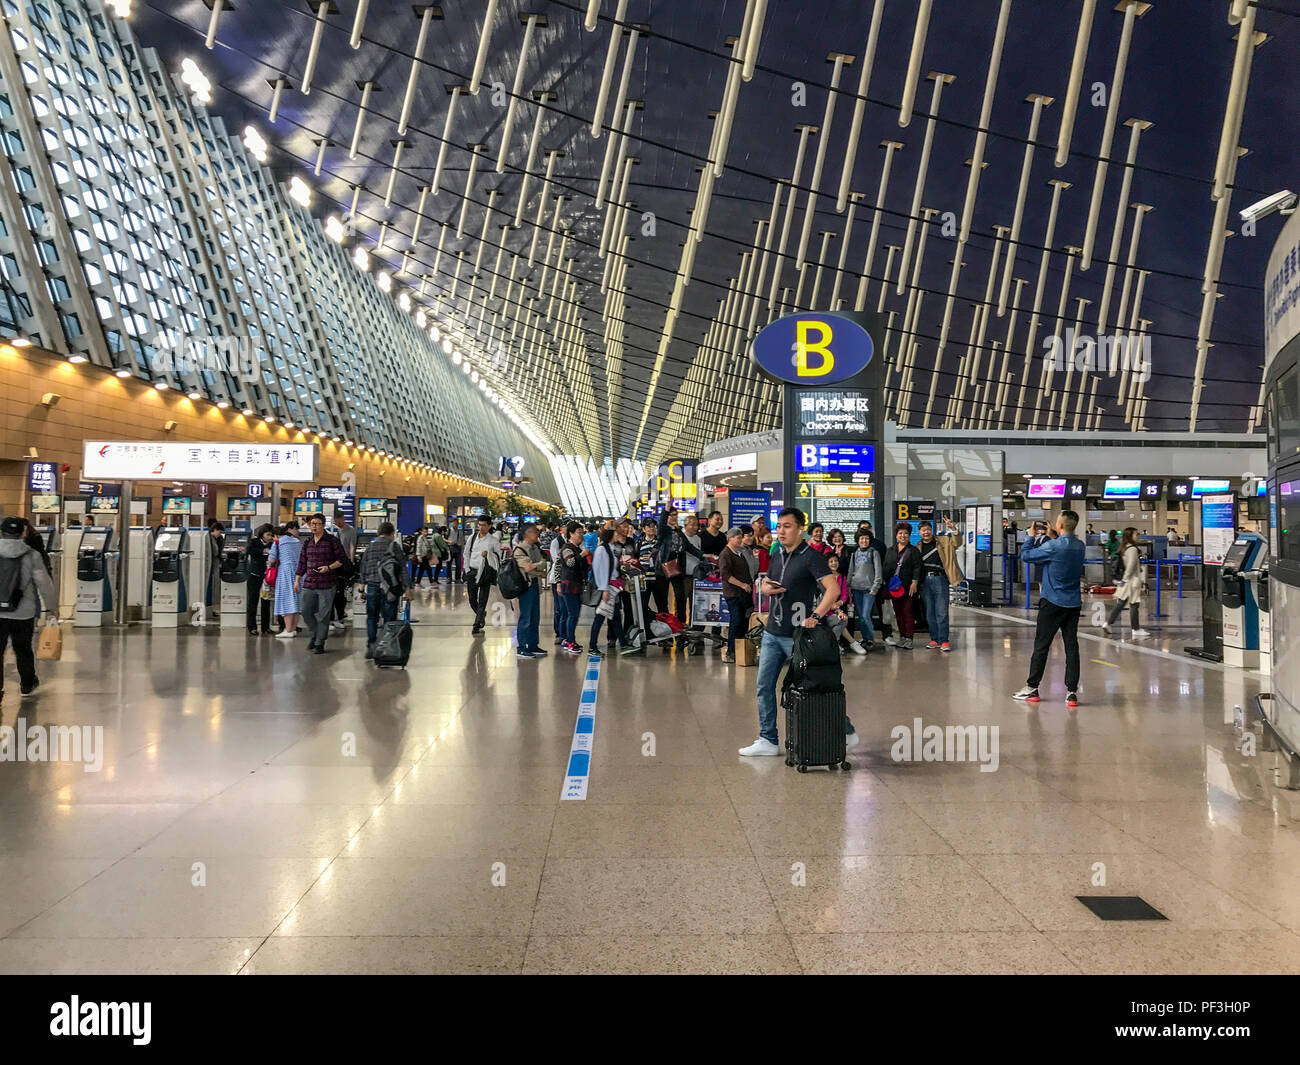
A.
pixel 832 414
pixel 195 462
pixel 42 477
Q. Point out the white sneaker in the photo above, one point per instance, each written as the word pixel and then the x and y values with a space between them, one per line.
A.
pixel 857 647
pixel 760 748
pixel 1105 627
pixel 1140 634
pixel 286 635
pixel 892 641
pixel 850 741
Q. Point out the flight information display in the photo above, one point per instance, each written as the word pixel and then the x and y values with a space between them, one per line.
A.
pixel 834 462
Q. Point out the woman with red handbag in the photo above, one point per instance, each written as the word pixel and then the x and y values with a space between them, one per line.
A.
pixel 903 571
pixel 258 548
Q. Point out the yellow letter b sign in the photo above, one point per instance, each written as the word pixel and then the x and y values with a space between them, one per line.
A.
pixel 821 347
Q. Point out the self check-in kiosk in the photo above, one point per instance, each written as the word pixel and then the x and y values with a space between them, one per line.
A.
pixel 365 540
pixel 234 578
pixel 169 588
pixel 1237 584
pixel 94 582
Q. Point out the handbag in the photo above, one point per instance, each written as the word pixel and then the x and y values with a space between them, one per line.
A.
pixel 895 586
pixel 672 569
pixel 50 645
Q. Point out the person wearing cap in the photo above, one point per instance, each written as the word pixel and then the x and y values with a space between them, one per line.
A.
pixel 737 588
pixel 25 588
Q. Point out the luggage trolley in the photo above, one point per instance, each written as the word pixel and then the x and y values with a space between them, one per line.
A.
pixel 709 617
pixel 634 585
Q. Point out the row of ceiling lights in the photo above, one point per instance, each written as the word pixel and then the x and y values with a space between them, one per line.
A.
pixel 270 419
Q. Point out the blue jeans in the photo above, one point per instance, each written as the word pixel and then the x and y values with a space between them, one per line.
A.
pixel 378 606
pixel 529 608
pixel 572 610
pixel 934 593
pixel 773 655
pixel 863 601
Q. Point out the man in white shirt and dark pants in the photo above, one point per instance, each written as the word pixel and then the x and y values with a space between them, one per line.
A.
pixel 482 559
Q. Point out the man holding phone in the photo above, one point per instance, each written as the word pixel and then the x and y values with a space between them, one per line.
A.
pixel 803 593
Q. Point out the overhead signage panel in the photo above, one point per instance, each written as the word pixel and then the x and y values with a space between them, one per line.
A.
pixel 838 463
pixel 813 348
pixel 145 461
pixel 829 414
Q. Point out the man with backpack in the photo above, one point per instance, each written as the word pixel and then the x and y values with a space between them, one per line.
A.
pixel 25 587
pixel 532 564
pixel 803 592
pixel 383 573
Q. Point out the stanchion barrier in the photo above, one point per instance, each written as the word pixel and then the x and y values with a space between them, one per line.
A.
pixel 1196 559
pixel 1158 613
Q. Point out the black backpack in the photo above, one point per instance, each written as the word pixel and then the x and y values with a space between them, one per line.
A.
pixel 11 583
pixel 511 579
pixel 1117 567
pixel 815 661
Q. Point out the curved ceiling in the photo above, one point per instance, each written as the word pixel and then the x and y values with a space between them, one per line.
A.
pixel 591 348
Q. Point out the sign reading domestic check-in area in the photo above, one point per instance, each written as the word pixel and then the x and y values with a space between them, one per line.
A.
pixel 833 429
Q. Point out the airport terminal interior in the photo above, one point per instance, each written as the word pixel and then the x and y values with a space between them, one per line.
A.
pixel 648 487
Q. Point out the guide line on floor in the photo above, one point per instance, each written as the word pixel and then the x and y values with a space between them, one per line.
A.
pixel 584 730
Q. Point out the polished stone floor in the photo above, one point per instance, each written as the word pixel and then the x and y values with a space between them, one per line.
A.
pixel 260 810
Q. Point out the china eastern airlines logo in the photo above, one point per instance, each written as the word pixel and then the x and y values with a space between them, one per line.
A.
pixel 103 451
pixel 813 348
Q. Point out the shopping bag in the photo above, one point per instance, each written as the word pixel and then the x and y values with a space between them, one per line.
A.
pixel 50 645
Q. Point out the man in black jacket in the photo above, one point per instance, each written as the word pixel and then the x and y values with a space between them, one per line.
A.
pixel 903 561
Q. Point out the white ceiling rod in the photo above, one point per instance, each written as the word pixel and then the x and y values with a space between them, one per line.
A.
pixel 821 265
pixel 393 171
pixel 437 257
pixel 321 145
pixel 533 141
pixel 436 184
pixel 483 234
pixel 804 132
pixel 551 156
pixel 854 200
pixel 1236 106
pixel 367 88
pixel 1083 367
pixel 322 8
pixel 277 91
pixel 426 18
pixel 1039 102
pixel 912 80
pixel 612 144
pixel 889 264
pixel 838 59
pixel 1045 381
pixel 859 108
pixel 1136 126
pixel 419 214
pixel 468 194
pixel 607 74
pixel 496 266
pixel 730 94
pixel 622 165
pixel 951 298
pixel 1132 10
pixel 512 108
pixel 986 116
pixel 940 80
pixel 1131 349
pixel 1019 283
pixel 865 282
pixel 484 42
pixel 1049 236
pixel 1140 210
pixel 756 298
pixel 550 244
pixel 754 38
pixel 593 15
pixel 213 21
pixel 359 23
pixel 1071 106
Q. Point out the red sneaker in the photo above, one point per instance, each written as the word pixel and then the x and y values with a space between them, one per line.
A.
pixel 1072 699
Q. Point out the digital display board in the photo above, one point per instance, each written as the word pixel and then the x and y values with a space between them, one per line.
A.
pixel 1152 490
pixel 307 506
pixel 374 506
pixel 1179 490
pixel 1119 488
pixel 828 414
pixel 242 505
pixel 1204 485
pixel 1076 489
pixel 176 505
pixel 834 462
pixel 1046 488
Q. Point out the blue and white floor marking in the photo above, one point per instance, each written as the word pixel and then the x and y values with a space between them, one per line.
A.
pixel 575 780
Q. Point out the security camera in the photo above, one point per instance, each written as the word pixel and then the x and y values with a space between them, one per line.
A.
pixel 1283 202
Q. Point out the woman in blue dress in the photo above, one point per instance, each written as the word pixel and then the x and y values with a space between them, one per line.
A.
pixel 284 554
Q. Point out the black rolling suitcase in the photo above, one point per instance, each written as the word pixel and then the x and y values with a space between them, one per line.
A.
pixel 393 644
pixel 814 729
pixel 815 706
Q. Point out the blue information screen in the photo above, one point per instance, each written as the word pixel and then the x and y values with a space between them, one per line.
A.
pixel 746 506
pixel 842 459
